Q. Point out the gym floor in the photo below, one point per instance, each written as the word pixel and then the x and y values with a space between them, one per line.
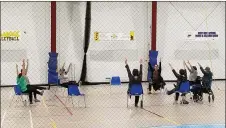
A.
pixel 106 107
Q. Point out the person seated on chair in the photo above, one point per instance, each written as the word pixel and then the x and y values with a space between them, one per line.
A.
pixel 26 88
pixel 157 80
pixel 193 73
pixel 196 88
pixel 26 77
pixel 135 78
pixel 26 70
pixel 207 77
pixel 63 76
pixel 181 77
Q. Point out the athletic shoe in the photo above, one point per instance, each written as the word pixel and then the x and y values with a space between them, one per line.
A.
pixel 175 102
pixel 36 100
pixel 42 92
pixel 184 102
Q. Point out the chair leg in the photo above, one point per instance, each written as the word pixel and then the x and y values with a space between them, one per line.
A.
pixel 141 103
pixel 85 101
pixel 11 101
pixel 24 102
pixel 72 101
pixel 127 100
pixel 66 101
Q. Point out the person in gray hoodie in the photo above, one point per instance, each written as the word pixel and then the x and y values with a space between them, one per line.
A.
pixel 193 73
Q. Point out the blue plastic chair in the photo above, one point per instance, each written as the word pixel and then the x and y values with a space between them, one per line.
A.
pixel 115 80
pixel 73 90
pixel 184 88
pixel 135 90
pixel 20 94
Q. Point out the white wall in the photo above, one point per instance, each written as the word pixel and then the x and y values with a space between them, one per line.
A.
pixel 106 58
pixel 178 17
pixel 32 19
pixel 70 35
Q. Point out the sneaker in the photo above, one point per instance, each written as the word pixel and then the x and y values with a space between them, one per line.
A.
pixel 42 92
pixel 149 92
pixel 167 92
pixel 36 100
pixel 136 105
pixel 175 102
pixel 31 102
pixel 184 102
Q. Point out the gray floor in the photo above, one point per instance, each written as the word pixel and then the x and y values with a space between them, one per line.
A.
pixel 106 107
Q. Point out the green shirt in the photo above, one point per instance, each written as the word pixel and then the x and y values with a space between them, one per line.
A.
pixel 22 83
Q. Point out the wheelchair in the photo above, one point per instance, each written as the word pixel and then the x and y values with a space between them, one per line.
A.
pixel 199 89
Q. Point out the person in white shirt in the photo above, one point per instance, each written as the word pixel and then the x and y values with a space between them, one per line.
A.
pixel 193 73
pixel 63 76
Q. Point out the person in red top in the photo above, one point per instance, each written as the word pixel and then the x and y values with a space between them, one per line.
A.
pixel 157 81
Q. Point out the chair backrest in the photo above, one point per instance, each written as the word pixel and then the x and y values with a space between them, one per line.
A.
pixel 17 90
pixel 184 87
pixel 115 80
pixel 73 90
pixel 136 89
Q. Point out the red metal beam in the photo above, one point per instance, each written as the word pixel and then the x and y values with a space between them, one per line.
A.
pixel 154 25
pixel 53 26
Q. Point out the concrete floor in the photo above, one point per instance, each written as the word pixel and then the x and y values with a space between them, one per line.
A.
pixel 106 108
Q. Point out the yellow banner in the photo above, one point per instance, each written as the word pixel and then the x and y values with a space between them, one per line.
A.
pixel 96 36
pixel 102 36
pixel 131 35
pixel 10 35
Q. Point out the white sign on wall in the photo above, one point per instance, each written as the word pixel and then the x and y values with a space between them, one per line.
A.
pixel 99 36
pixel 201 36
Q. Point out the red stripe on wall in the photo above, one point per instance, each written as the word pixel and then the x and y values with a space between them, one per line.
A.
pixel 154 25
pixel 53 26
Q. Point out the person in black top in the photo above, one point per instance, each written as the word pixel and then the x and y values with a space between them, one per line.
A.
pixel 207 76
pixel 135 78
pixel 181 77
pixel 156 79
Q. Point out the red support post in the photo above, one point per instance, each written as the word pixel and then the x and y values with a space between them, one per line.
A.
pixel 53 26
pixel 154 25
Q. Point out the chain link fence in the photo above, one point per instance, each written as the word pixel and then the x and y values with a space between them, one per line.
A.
pixel 176 20
pixel 119 30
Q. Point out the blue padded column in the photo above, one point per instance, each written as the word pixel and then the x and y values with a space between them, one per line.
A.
pixel 52 68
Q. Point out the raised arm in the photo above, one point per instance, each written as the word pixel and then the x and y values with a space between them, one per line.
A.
pixel 150 66
pixel 192 68
pixel 141 68
pixel 188 67
pixel 17 72
pixel 201 68
pixel 68 68
pixel 23 68
pixel 63 66
pixel 160 66
pixel 26 70
pixel 185 70
pixel 128 70
pixel 174 72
